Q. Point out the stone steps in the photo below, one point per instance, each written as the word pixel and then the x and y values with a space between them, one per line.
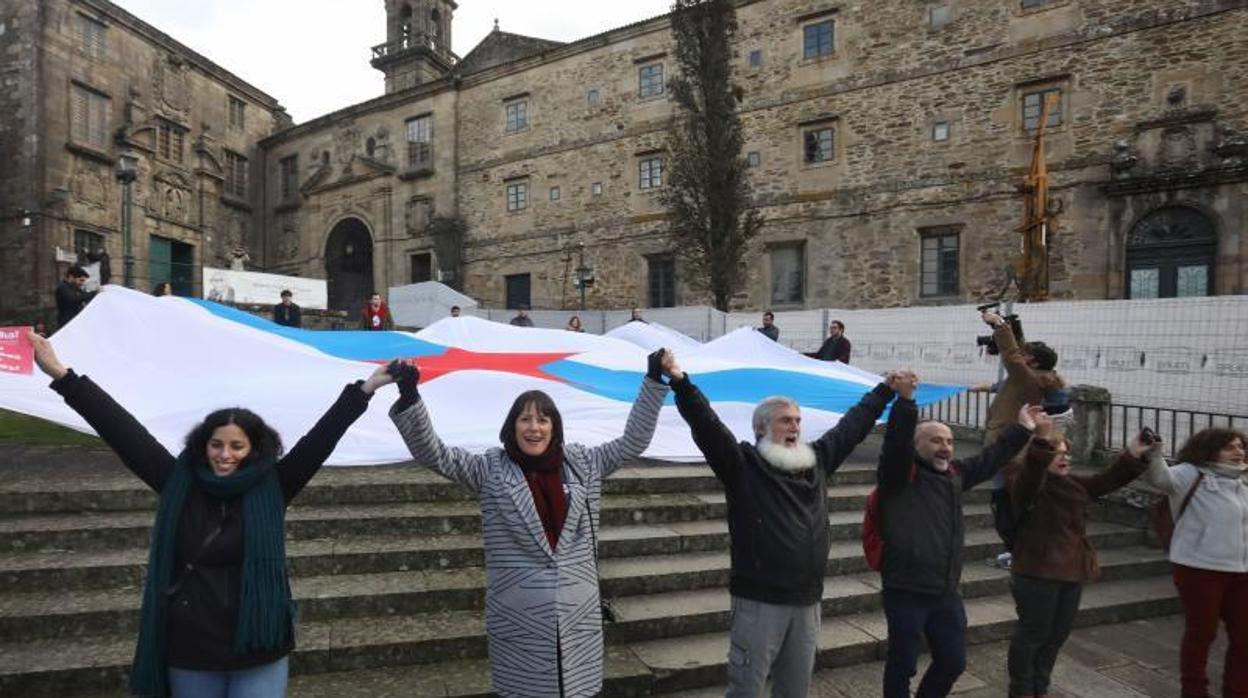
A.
pixel 681 636
pixel 631 581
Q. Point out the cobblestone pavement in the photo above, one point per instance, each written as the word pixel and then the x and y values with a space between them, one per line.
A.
pixel 1126 660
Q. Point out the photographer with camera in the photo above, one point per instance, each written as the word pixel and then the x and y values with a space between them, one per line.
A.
pixel 1030 380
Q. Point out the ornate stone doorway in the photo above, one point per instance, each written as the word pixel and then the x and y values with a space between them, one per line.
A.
pixel 1171 253
pixel 349 265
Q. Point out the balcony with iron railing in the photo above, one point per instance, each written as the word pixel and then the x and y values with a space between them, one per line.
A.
pixel 411 42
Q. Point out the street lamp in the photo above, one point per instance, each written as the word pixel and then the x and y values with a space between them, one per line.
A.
pixel 584 274
pixel 127 172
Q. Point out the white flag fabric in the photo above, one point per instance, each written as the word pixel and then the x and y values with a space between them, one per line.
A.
pixel 171 361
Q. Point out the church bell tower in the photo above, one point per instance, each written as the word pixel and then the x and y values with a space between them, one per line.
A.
pixel 418 43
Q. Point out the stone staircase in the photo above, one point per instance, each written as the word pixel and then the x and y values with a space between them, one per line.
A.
pixel 386 564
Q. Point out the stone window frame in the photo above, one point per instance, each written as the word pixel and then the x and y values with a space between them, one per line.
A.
pixel 1024 91
pixel 517 194
pixel 508 280
pixel 935 235
pixel 90 117
pixel 939 16
pixel 412 257
pixel 235 184
pixel 555 193
pixel 650 171
pixel 754 58
pixel 788 300
pixel 595 189
pixel 754 158
pixel 661 278
pixel 288 177
pixel 418 135
pixel 651 85
pixel 936 131
pixel 593 98
pixel 92 36
pixel 237 110
pixel 169 140
pixel 516 114
pixel 811 141
pixel 813 47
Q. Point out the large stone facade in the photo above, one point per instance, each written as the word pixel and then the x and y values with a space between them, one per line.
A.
pixel 912 198
pixel 91 82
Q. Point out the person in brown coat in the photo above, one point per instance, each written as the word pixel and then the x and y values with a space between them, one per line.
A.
pixel 1052 556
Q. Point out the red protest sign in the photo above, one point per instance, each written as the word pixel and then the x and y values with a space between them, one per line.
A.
pixel 16 354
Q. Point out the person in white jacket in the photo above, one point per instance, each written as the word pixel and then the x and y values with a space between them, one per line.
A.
pixel 1209 550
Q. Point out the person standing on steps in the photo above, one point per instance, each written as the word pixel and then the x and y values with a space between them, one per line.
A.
pixel 777 499
pixel 920 499
pixel 540 508
pixel 217 617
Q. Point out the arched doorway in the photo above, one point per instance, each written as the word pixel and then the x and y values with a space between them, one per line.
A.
pixel 1171 253
pixel 349 265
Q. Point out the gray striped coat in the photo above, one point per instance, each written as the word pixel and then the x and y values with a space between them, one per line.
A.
pixel 541 606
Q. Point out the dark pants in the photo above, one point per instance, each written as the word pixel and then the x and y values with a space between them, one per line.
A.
pixel 911 618
pixel 1046 612
pixel 1003 517
pixel 1209 597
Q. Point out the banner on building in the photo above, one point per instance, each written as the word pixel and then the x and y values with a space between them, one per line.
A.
pixel 230 286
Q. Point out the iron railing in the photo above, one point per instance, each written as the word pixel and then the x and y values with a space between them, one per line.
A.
pixel 968 409
pixel 1173 426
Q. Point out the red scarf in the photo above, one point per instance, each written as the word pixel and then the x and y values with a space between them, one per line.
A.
pixel 544 474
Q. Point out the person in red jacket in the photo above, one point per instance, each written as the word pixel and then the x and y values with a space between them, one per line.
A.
pixel 376 316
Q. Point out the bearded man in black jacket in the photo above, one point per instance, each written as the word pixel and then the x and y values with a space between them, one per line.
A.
pixel 778 521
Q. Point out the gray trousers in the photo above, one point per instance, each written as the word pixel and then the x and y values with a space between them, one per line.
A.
pixel 769 639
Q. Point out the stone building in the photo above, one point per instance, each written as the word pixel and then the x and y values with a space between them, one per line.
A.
pixel 83 82
pixel 887 143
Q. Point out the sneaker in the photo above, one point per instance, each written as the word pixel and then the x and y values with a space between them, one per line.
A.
pixel 1004 560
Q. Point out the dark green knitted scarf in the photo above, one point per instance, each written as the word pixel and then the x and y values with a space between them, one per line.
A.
pixel 265 610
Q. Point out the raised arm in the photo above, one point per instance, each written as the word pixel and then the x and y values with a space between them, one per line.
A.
pixel 1126 468
pixel 1159 474
pixel 983 466
pixel 1011 354
pixel 139 451
pixel 838 442
pixel 897 456
pixel 412 420
pixel 716 442
pixel 638 430
pixel 309 454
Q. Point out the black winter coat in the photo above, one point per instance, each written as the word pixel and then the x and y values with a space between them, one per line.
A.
pixel 922 516
pixel 777 521
pixel 203 611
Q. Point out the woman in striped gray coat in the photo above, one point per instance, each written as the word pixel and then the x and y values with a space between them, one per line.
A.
pixel 540 502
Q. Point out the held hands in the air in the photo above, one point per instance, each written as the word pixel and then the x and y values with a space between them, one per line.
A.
pixel 45 356
pixel 379 378
pixel 1144 444
pixel 671 369
pixel 992 319
pixel 407 376
pixel 903 382
pixel 1033 418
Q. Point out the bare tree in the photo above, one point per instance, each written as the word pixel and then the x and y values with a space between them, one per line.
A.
pixel 707 193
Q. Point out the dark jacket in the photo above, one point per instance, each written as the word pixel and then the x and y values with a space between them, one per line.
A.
pixel 778 521
pixel 1023 385
pixel 772 332
pixel 287 315
pixel 834 349
pixel 203 611
pixel 922 516
pixel 1051 540
pixel 70 300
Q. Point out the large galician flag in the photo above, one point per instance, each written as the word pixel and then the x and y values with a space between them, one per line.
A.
pixel 171 361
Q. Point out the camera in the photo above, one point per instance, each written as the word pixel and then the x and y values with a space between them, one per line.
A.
pixel 987 341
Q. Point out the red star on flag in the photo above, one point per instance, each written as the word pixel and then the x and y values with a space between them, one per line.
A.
pixel 454 359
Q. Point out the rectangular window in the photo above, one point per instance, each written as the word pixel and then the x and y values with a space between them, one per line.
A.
pixel 238 114
pixel 938 16
pixel 518 290
pixel 169 140
pixel 788 274
pixel 517 196
pixel 235 175
pixel 86 242
pixel 1192 280
pixel 650 175
pixel 554 193
pixel 420 142
pixel 1034 4
pixel 938 264
pixel 817 39
pixel 1033 102
pixel 289 176
pixel 517 116
pixel 755 158
pixel 650 81
pixel 596 188
pixel 817 145
pixel 422 267
pixel 756 58
pixel 940 131
pixel 89 119
pixel 91 37
pixel 662 272
pixel 593 97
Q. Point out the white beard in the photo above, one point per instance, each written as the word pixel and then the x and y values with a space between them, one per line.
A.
pixel 790 460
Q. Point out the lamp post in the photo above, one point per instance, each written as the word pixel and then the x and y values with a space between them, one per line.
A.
pixel 584 274
pixel 127 172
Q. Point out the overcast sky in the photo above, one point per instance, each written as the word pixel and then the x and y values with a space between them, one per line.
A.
pixel 312 55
